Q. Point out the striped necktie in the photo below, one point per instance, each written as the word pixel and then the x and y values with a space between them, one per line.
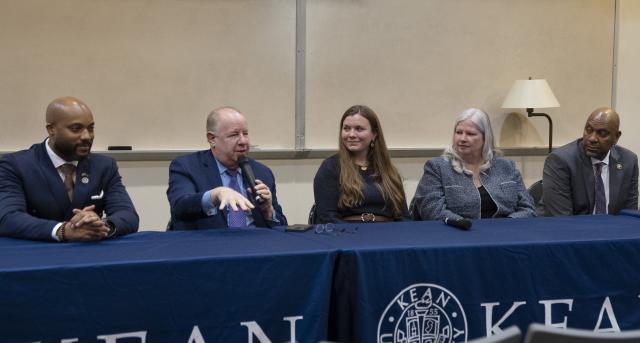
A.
pixel 601 198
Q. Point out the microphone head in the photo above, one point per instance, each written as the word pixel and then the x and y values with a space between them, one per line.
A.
pixel 465 224
pixel 243 159
pixel 462 224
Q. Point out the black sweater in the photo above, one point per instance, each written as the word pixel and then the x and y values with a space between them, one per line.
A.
pixel 326 189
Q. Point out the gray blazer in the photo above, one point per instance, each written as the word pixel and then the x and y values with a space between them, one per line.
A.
pixel 444 193
pixel 568 181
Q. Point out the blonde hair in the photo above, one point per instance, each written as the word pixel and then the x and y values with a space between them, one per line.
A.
pixel 385 175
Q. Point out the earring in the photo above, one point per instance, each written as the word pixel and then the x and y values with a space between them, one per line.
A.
pixel 372 144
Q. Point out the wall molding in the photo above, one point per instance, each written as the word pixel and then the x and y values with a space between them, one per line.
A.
pixel 291 154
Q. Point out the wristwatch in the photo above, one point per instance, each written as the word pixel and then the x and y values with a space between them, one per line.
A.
pixel 111 226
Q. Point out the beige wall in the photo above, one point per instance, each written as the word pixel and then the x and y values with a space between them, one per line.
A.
pixel 147 180
pixel 151 70
pixel 628 73
pixel 126 72
pixel 419 63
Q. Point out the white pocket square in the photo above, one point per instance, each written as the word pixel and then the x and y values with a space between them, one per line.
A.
pixel 98 197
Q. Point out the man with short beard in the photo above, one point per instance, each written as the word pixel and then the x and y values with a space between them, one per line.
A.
pixel 57 190
pixel 592 175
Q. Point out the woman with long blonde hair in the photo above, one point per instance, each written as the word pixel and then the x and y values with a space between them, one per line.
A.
pixel 359 183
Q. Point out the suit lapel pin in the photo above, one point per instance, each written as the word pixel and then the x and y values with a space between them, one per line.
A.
pixel 619 166
pixel 84 178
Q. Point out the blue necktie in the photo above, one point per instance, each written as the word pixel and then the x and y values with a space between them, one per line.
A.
pixel 236 218
pixel 601 198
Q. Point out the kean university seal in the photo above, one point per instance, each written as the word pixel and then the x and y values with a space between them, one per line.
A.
pixel 423 313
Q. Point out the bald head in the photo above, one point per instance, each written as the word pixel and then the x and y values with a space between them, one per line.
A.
pixel 606 115
pixel 601 132
pixel 228 135
pixel 70 126
pixel 65 106
pixel 221 114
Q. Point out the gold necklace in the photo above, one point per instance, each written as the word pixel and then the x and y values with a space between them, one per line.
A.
pixel 364 166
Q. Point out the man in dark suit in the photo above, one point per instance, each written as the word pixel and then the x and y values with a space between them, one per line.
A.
pixel 592 175
pixel 57 190
pixel 206 188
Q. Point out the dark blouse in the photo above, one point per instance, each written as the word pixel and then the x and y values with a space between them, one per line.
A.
pixel 487 206
pixel 326 190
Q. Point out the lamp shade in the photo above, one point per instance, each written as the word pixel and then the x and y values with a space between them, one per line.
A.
pixel 530 94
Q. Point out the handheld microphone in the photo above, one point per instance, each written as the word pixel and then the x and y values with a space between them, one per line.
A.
pixel 250 178
pixel 462 224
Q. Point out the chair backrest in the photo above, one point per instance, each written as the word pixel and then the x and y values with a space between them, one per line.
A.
pixel 535 190
pixel 312 215
pixel 508 335
pixel 538 333
pixel 414 214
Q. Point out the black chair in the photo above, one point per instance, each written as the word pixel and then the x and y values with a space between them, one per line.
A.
pixel 414 214
pixel 535 190
pixel 313 216
pixel 538 333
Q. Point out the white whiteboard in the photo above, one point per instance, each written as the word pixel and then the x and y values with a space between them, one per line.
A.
pixel 152 70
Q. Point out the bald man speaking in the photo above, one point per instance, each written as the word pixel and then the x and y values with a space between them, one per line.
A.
pixel 592 175
pixel 207 188
pixel 57 190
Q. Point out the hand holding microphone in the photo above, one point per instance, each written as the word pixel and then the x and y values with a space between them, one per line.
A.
pixel 250 179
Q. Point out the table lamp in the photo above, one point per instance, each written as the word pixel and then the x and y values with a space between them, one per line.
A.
pixel 532 94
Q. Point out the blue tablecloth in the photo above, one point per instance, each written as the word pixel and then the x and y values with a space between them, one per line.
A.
pixel 166 284
pixel 385 282
pixel 414 281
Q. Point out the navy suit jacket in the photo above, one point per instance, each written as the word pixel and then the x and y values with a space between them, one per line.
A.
pixel 568 181
pixel 190 176
pixel 33 198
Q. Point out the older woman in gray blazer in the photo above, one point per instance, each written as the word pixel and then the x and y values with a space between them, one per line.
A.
pixel 469 180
